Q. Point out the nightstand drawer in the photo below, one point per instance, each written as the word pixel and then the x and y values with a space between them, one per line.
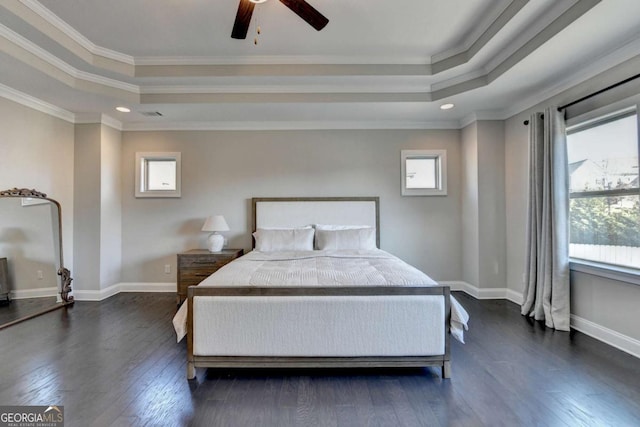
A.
pixel 202 263
pixel 196 265
pixel 198 274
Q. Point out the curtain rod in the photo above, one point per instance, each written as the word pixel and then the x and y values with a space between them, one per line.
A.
pixel 591 95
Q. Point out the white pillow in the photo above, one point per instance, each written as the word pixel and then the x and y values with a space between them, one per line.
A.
pixel 339 227
pixel 285 228
pixel 354 238
pixel 292 239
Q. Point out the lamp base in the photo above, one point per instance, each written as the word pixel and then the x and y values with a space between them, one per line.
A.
pixel 216 242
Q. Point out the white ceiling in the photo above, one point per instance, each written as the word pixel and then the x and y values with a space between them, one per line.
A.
pixel 375 65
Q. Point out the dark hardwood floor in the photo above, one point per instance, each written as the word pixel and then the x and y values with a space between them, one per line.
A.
pixel 15 309
pixel 116 363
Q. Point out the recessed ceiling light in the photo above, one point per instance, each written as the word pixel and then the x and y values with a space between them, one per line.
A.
pixel 123 109
pixel 446 106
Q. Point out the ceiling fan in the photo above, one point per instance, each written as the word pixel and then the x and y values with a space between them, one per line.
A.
pixel 300 7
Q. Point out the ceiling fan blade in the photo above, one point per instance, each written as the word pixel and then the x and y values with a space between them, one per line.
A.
pixel 243 19
pixel 305 11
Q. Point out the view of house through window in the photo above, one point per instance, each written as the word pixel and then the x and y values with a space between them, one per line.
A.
pixel 604 218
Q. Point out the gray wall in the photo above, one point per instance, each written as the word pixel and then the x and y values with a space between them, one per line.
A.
pixel 470 226
pixel 87 208
pixel 222 171
pixel 98 206
pixel 36 151
pixel 110 206
pixel 483 206
pixel 491 205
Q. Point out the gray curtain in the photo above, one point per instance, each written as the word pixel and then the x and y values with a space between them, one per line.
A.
pixel 546 293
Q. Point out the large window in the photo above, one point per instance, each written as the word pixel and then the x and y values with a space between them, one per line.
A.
pixel 604 216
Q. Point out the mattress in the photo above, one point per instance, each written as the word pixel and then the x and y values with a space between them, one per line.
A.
pixel 321 268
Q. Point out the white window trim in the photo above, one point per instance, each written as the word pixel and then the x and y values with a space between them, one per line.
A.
pixel 595 268
pixel 141 189
pixel 441 170
pixel 608 271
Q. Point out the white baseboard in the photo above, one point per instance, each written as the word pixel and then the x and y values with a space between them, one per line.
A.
pixel 82 295
pixel 606 335
pixel 515 297
pixel 147 287
pixel 622 342
pixel 33 293
pixel 485 293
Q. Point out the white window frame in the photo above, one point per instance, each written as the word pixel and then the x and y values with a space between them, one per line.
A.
pixel 597 268
pixel 142 160
pixel 440 178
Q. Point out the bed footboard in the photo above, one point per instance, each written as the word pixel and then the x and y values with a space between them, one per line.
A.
pixel 267 356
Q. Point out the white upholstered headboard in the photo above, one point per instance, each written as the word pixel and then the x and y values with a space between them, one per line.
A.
pixel 302 211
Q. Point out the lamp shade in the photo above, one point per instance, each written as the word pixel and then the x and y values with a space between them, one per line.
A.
pixel 215 223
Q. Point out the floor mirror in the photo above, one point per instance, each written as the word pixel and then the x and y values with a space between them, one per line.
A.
pixel 33 278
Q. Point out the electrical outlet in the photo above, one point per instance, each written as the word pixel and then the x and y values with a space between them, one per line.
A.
pixel 167 268
pixel 39 274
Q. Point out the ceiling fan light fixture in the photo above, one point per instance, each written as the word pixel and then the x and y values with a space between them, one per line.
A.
pixel 300 7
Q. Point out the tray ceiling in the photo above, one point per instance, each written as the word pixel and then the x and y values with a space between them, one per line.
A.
pixel 375 65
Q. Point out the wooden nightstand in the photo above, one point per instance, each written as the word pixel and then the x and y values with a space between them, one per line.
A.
pixel 197 264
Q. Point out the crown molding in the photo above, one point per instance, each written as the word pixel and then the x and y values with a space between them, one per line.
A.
pixel 279 60
pixel 480 116
pixel 35 103
pixel 53 26
pixel 289 89
pixel 534 31
pixel 289 125
pixel 486 31
pixel 480 28
pixel 628 50
pixel 97 118
pixel 502 14
pixel 130 92
pixel 59 65
pixel 111 122
pixel 70 32
pixel 493 70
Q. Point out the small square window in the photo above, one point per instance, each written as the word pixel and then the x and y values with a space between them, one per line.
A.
pixel 424 172
pixel 161 174
pixel 158 174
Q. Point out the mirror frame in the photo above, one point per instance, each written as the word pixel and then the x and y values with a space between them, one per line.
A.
pixel 63 272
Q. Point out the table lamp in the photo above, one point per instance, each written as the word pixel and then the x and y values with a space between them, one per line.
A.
pixel 215 223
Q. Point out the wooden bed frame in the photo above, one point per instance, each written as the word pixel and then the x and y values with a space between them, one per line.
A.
pixel 194 361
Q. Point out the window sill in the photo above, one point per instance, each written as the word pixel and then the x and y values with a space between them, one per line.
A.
pixel 614 272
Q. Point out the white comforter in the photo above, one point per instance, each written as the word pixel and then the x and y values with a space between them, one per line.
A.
pixel 322 268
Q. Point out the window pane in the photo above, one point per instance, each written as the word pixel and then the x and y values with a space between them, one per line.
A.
pixel 604 157
pixel 606 229
pixel 161 174
pixel 421 173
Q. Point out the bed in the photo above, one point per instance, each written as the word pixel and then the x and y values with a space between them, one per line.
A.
pixel 317 292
